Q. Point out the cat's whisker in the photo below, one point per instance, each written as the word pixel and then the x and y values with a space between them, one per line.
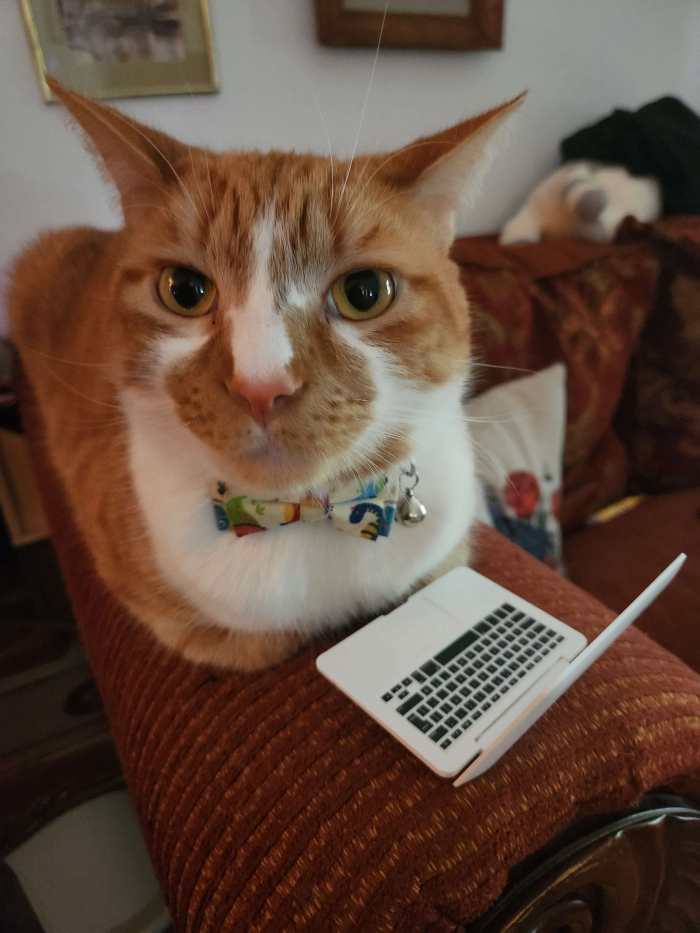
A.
pixel 97 422
pixel 431 418
pixel 346 464
pixel 393 155
pixel 153 207
pixel 211 186
pixel 120 116
pixel 351 463
pixel 515 369
pixel 95 401
pixel 391 197
pixel 395 194
pixel 199 189
pixel 465 419
pixel 428 422
pixel 364 108
pixel 194 171
pixel 482 465
pixel 56 359
pixel 372 457
pixel 328 140
pixel 97 416
pixel 423 416
pixel 147 183
pixel 494 462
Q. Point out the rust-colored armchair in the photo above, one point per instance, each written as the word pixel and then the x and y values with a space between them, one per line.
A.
pixel 271 803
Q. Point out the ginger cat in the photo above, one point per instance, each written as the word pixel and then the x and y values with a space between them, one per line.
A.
pixel 280 326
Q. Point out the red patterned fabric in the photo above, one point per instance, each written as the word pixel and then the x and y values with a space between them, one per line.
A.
pixel 565 300
pixel 660 413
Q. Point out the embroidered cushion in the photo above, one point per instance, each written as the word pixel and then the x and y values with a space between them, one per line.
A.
pixel 582 303
pixel 518 434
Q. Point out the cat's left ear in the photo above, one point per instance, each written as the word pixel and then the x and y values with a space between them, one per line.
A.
pixel 441 171
pixel 137 159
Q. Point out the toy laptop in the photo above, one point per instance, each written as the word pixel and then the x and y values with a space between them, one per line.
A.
pixel 464 667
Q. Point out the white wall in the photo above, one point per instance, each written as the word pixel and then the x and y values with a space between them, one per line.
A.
pixel 578 58
pixel 690 77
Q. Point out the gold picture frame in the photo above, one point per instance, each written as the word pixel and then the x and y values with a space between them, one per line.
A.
pixel 122 48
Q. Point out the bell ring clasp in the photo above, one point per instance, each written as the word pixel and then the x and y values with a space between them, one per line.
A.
pixel 411 510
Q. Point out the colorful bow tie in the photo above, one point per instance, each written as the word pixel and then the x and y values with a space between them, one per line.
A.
pixel 364 509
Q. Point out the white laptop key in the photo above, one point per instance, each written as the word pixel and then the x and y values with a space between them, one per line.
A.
pixel 462 669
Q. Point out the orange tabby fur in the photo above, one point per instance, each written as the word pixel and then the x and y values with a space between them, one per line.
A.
pixel 85 331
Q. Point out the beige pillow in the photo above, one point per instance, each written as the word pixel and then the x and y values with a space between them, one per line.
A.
pixel 518 434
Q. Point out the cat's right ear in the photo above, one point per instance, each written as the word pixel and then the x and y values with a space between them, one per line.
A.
pixel 441 171
pixel 134 157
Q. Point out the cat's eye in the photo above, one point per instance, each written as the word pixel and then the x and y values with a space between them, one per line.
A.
pixel 363 295
pixel 186 291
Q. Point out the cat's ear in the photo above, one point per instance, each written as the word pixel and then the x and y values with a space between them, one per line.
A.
pixel 135 157
pixel 441 171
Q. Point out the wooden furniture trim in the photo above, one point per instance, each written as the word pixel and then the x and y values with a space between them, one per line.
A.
pixel 19 496
pixel 39 783
pixel 481 28
pixel 631 875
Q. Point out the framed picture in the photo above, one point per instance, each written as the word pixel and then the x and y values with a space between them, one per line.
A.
pixel 411 24
pixel 122 48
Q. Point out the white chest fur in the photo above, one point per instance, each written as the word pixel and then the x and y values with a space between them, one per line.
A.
pixel 300 577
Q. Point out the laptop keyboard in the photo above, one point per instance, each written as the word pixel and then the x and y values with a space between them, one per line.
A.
pixel 450 692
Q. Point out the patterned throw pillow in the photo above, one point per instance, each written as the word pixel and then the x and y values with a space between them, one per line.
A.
pixel 582 303
pixel 518 435
pixel 659 416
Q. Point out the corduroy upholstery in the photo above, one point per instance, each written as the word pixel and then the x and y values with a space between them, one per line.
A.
pixel 611 561
pixel 271 803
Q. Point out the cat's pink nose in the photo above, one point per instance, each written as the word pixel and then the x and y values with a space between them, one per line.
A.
pixel 266 398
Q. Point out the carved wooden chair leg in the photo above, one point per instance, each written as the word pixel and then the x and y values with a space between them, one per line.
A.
pixel 640 873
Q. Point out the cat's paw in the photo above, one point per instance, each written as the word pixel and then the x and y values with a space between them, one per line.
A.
pixel 235 650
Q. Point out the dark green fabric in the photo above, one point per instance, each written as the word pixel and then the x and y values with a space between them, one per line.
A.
pixel 661 139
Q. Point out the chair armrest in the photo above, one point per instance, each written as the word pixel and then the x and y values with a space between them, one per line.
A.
pixel 270 802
